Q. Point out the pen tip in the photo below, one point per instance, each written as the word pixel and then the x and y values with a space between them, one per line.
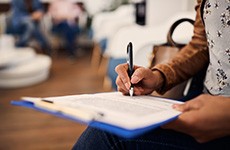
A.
pixel 131 91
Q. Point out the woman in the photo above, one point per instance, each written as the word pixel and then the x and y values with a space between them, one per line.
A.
pixel 26 16
pixel 205 121
pixel 65 23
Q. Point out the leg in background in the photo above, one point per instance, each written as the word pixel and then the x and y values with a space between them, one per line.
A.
pixel 37 34
pixel 25 30
pixel 69 34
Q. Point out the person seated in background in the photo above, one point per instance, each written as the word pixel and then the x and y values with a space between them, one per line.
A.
pixel 205 120
pixel 65 15
pixel 25 22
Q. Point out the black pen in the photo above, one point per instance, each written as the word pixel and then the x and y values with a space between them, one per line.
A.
pixel 130 63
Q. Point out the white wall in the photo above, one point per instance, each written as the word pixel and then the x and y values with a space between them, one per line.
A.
pixel 191 4
pixel 7 1
pixel 159 10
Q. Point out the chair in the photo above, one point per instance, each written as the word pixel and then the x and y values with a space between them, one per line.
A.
pixel 146 36
pixel 104 26
pixel 152 35
pixel 97 6
pixel 21 67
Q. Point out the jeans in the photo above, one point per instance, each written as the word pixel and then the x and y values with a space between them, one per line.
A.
pixel 27 29
pixel 69 34
pixel 113 62
pixel 158 139
pixel 103 45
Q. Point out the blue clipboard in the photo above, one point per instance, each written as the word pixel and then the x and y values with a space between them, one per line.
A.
pixel 96 124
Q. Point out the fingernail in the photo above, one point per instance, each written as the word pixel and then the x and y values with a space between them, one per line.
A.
pixel 175 106
pixel 134 79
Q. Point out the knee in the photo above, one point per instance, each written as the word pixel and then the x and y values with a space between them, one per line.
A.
pixel 28 25
pixel 91 139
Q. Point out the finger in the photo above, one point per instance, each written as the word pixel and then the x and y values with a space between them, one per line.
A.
pixel 179 107
pixel 120 86
pixel 136 67
pixel 123 75
pixel 124 92
pixel 190 105
pixel 138 90
pixel 138 75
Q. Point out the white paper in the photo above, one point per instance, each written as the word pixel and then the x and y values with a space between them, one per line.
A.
pixel 119 110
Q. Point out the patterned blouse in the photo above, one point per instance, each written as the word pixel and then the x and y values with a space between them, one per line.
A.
pixel 216 16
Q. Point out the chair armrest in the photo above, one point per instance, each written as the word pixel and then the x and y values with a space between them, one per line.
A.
pixel 104 24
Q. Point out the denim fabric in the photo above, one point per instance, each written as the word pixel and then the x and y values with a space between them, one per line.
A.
pixel 27 30
pixel 19 11
pixel 69 34
pixel 113 62
pixel 158 139
pixel 103 45
pixel 21 24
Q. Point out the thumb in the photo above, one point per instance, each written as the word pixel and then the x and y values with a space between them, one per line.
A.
pixel 138 75
pixel 187 106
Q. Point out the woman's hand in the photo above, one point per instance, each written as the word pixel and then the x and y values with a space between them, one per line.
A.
pixel 205 118
pixel 145 81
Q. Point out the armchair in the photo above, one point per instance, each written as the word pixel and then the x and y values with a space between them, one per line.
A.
pixel 105 25
pixel 143 38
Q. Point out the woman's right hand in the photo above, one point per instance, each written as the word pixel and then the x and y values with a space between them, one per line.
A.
pixel 145 81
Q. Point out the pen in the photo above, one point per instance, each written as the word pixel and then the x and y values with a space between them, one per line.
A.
pixel 130 64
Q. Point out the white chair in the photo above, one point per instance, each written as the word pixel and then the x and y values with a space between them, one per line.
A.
pixel 23 67
pixel 6 42
pixel 160 15
pixel 20 67
pixel 97 6
pixel 148 35
pixel 11 57
pixel 153 33
pixel 182 34
pixel 143 39
pixel 105 25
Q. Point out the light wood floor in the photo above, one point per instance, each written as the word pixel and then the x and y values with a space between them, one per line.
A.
pixel 25 129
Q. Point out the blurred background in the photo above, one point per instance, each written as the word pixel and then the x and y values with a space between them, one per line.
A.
pixel 67 47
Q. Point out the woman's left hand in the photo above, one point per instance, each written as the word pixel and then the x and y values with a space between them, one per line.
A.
pixel 205 118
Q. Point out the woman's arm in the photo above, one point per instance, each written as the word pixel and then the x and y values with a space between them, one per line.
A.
pixel 190 60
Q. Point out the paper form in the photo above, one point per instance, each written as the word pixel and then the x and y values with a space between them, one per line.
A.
pixel 119 110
